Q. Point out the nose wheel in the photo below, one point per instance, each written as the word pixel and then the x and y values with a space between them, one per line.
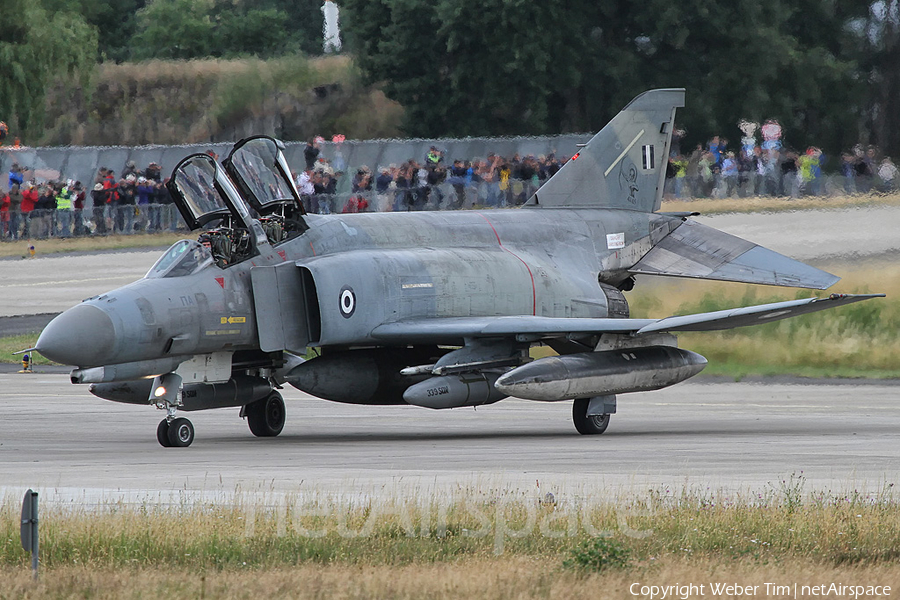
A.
pixel 177 433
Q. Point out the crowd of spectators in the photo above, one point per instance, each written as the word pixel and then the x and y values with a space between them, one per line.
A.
pixel 433 184
pixel 769 168
pixel 134 200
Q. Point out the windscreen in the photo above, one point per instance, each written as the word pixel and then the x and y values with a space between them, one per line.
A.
pixel 182 258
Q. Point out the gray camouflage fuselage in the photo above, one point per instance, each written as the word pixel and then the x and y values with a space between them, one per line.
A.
pixel 433 309
pixel 399 266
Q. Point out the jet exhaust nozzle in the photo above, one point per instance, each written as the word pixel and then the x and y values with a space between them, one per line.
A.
pixel 454 391
pixel 589 374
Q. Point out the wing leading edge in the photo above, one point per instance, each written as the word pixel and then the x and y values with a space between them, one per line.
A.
pixel 448 329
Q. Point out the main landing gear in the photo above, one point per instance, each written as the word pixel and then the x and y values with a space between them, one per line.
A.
pixel 590 425
pixel 265 417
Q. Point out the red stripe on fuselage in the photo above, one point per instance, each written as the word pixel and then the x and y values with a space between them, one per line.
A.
pixel 530 274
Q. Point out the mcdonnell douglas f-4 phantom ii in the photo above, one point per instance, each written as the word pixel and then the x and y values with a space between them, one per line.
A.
pixel 432 309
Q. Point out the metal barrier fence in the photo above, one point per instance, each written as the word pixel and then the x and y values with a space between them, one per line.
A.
pixel 102 220
pixel 82 163
pixel 156 218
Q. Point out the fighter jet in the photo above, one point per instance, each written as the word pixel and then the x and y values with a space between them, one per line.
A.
pixel 432 309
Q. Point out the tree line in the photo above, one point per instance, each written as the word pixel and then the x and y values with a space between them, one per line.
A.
pixel 825 69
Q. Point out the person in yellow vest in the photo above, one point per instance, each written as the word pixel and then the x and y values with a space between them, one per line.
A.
pixel 505 189
pixel 64 205
pixel 807 165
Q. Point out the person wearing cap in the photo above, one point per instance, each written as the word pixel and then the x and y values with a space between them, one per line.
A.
pixel 130 169
pixel 153 172
pixel 149 219
pixel 99 195
pixel 126 208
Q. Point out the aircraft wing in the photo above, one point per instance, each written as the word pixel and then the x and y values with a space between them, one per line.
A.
pixel 697 251
pixel 533 328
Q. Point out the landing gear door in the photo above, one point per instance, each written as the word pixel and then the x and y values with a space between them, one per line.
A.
pixel 280 308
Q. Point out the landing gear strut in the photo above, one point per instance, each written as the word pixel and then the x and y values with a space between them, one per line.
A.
pixel 593 425
pixel 266 417
pixel 172 432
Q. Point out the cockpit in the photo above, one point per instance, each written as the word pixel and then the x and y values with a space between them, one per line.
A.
pixel 252 201
pixel 183 258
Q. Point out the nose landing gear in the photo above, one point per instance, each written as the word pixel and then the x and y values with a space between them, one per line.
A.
pixel 172 432
pixel 178 433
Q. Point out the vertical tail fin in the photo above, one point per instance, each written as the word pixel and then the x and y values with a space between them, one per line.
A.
pixel 624 165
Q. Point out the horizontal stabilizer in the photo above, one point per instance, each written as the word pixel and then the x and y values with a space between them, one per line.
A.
pixel 697 251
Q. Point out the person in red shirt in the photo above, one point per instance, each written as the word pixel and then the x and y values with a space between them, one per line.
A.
pixel 4 216
pixel 29 199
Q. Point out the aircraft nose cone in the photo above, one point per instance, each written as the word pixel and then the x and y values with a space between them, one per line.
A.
pixel 82 336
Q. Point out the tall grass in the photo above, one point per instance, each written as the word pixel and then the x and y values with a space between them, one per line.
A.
pixel 785 521
pixel 712 206
pixel 855 340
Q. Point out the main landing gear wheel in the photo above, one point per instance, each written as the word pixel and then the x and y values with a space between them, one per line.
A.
pixel 181 433
pixel 266 417
pixel 162 434
pixel 588 425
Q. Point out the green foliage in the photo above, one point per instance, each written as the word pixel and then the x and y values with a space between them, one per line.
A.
pixel 115 21
pixel 175 29
pixel 598 554
pixel 252 31
pixel 186 29
pixel 494 67
pixel 38 48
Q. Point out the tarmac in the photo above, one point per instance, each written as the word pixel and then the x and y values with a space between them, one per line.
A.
pixel 733 438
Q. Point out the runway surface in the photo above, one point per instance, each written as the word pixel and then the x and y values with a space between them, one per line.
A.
pixel 737 437
pixel 61 440
pixel 51 284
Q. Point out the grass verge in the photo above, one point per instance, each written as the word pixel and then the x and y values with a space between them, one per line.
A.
pixel 487 579
pixel 712 206
pixel 88 244
pixel 14 343
pixel 474 544
pixel 858 340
